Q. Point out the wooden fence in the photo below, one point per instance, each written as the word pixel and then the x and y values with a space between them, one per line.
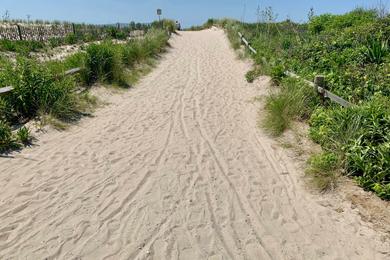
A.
pixel 44 32
pixel 34 32
pixel 318 84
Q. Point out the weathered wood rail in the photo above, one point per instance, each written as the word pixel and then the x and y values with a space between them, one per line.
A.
pixel 9 89
pixel 6 90
pixel 318 84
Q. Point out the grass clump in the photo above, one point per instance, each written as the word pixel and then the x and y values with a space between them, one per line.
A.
pixel 324 170
pixel 24 136
pixel 37 90
pixel 292 101
pixel 103 63
pixel 7 139
pixel 22 47
pixel 11 141
pixel 107 62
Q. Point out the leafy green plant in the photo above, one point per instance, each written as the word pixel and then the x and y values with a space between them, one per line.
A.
pixel 116 33
pixel 324 170
pixel 169 25
pixel 7 140
pixel 71 39
pixel 24 136
pixel 294 100
pixel 252 75
pixel 104 63
pixel 36 89
pixel 277 73
pixel 55 42
pixel 376 50
pixel 22 47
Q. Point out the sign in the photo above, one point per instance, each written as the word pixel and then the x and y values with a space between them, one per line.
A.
pixel 159 12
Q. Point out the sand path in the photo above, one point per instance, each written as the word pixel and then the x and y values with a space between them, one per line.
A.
pixel 175 169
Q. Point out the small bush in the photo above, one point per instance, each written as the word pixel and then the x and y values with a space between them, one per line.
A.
pixel 23 47
pixel 23 135
pixel 115 33
pixel 294 100
pixel 252 75
pixel 376 50
pixel 323 170
pixel 209 23
pixel 55 42
pixel 329 22
pixel 277 73
pixel 132 53
pixel 71 39
pixel 7 140
pixel 104 63
pixel 6 110
pixel 169 25
pixel 36 89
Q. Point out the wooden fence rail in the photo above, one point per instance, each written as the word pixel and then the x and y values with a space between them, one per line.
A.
pixel 318 84
pixel 5 90
pixel 9 89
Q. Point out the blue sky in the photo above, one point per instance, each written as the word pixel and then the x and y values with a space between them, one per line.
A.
pixel 187 11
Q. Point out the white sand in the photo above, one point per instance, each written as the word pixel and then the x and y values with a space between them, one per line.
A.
pixel 175 169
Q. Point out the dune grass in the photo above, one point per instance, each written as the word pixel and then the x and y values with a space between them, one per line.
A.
pixel 292 101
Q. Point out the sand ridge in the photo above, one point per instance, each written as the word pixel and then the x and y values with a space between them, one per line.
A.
pixel 174 169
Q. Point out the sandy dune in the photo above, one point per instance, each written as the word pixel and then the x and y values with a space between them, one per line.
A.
pixel 174 169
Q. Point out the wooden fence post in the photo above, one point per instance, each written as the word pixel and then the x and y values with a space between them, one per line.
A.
pixel 74 28
pixel 19 32
pixel 319 86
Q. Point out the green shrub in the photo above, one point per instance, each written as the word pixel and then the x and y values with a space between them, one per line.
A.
pixel 23 47
pixel 252 75
pixel 23 135
pixel 294 100
pixel 277 73
pixel 6 110
pixel 209 23
pixel 104 63
pixel 132 53
pixel 37 90
pixel 56 42
pixel 71 39
pixel 323 170
pixel 329 22
pixel 376 50
pixel 169 25
pixel 115 33
pixel 7 140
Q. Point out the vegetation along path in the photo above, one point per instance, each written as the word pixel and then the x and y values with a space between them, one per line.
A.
pixel 176 169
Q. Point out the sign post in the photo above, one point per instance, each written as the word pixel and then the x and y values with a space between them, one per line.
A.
pixel 159 13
